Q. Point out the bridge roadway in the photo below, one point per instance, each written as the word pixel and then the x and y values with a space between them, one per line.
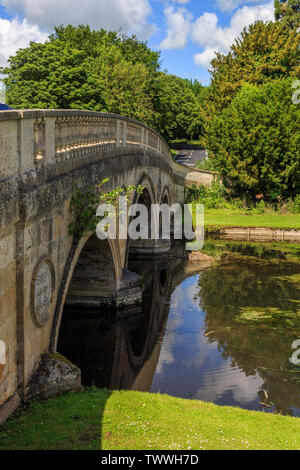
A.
pixel 189 157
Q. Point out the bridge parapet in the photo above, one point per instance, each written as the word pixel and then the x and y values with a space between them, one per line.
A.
pixel 30 140
pixel 33 139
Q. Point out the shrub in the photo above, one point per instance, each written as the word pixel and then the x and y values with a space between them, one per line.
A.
pixel 294 206
pixel 211 197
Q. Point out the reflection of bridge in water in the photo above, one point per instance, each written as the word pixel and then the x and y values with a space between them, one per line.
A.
pixel 121 350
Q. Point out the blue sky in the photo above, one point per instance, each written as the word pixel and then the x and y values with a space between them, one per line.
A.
pixel 186 31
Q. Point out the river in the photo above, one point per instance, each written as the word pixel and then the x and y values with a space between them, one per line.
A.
pixel 221 330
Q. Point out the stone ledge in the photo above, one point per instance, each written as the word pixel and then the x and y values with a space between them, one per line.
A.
pixel 262 234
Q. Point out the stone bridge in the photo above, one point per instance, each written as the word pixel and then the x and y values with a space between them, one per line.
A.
pixel 43 153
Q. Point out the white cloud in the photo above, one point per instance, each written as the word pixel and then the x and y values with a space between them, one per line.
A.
pixel 229 5
pixel 212 37
pixel 16 34
pixel 125 15
pixel 179 28
pixel 204 58
pixel 228 379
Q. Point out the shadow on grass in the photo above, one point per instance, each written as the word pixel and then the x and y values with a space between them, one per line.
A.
pixel 69 422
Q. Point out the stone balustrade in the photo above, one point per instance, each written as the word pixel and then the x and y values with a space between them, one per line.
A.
pixel 30 140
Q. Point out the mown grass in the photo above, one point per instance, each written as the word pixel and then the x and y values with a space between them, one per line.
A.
pixel 122 420
pixel 225 217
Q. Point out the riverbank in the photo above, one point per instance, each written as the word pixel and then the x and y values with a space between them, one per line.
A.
pixel 253 234
pixel 223 217
pixel 122 420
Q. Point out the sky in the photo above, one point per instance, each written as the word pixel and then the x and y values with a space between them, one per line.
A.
pixel 187 32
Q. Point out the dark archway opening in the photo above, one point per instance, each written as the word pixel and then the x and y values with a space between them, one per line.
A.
pixel 86 335
pixel 145 199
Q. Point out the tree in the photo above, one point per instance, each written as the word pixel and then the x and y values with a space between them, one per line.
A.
pixel 104 71
pixel 127 88
pixel 265 52
pixel 178 109
pixel 240 121
pixel 255 141
pixel 84 69
pixel 288 11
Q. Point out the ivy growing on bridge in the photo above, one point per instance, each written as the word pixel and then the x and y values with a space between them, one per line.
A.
pixel 85 201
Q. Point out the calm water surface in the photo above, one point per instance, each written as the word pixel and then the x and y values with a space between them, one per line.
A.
pixel 219 331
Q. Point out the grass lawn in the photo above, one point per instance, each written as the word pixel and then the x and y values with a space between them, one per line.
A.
pixel 242 218
pixel 99 419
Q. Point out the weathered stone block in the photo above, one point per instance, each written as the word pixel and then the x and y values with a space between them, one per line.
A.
pixel 54 375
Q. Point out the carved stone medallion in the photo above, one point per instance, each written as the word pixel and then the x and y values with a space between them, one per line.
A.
pixel 43 283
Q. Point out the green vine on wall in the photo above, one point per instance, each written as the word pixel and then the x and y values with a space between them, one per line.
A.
pixel 85 201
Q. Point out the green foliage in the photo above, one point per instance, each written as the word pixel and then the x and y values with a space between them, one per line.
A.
pixel 127 87
pixel 251 124
pixel 84 69
pixel 178 108
pixel 288 11
pixel 294 206
pixel 178 111
pixel 211 197
pixel 84 203
pixel 255 142
pixel 78 68
pixel 260 207
pixel 223 210
pixel 208 164
pixel 265 52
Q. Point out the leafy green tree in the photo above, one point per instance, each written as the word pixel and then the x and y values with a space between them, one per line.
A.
pixel 288 11
pixel 241 118
pixel 178 109
pixel 104 71
pixel 84 69
pixel 255 142
pixel 265 52
pixel 127 88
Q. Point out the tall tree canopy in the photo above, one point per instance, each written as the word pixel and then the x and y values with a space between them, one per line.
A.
pixel 256 141
pixel 265 52
pixel 251 123
pixel 178 106
pixel 71 70
pixel 103 71
pixel 289 11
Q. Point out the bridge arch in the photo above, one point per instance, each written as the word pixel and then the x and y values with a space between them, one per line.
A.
pixel 81 253
pixel 166 196
pixel 147 183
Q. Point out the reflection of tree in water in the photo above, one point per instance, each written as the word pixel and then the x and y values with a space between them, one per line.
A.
pixel 255 344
